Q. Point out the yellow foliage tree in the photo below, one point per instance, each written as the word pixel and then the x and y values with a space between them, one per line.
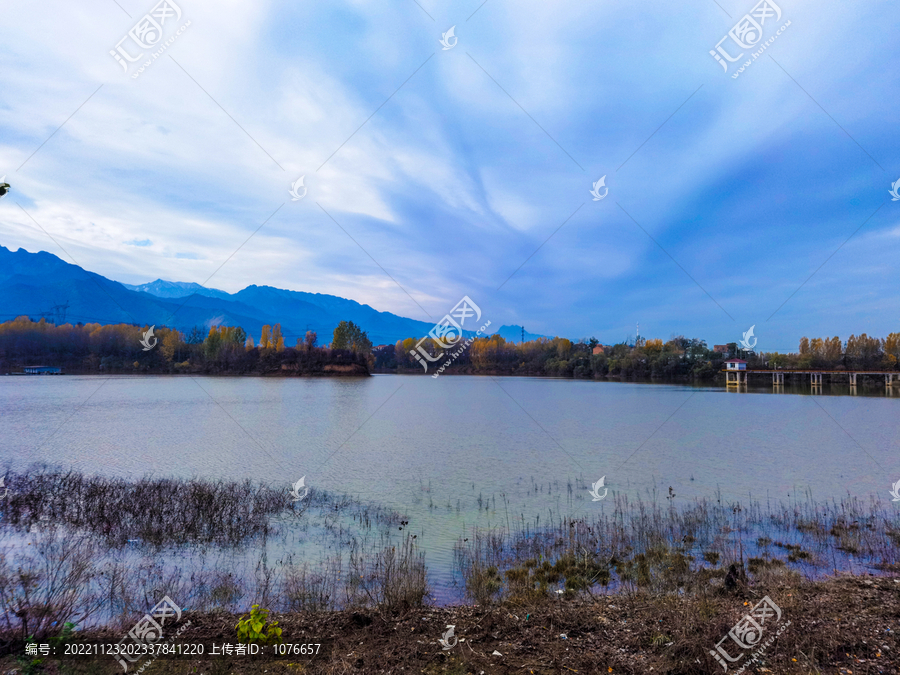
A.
pixel 277 339
pixel 172 344
pixel 817 347
pixel 833 349
pixel 653 346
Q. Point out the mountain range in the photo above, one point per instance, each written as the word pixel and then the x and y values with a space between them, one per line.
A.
pixel 41 284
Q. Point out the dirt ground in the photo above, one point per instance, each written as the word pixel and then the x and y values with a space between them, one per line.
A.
pixel 847 625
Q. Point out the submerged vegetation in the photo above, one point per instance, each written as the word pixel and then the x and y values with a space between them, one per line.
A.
pixel 91 549
pixel 95 550
pixel 700 548
pixel 633 586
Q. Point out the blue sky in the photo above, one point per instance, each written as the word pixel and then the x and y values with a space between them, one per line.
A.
pixel 713 223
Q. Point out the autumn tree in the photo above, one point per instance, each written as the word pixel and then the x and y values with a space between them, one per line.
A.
pixel 277 339
pixel 212 344
pixel 864 352
pixel 654 346
pixel 402 350
pixel 833 350
pixel 224 341
pixel 310 340
pixel 172 344
pixel 563 347
pixel 817 347
pixel 892 350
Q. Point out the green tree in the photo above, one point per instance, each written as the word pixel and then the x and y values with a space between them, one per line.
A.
pixel 195 337
pixel 348 335
pixel 359 340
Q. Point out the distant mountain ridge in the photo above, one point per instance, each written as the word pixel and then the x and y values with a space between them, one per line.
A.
pixel 41 284
pixel 176 289
pixel 180 289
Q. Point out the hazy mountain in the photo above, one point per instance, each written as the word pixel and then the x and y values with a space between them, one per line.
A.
pixel 41 284
pixel 176 289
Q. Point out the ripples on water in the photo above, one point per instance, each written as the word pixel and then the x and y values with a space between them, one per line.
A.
pixel 457 452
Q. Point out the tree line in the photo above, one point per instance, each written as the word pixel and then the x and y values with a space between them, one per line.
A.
pixel 118 348
pixel 678 359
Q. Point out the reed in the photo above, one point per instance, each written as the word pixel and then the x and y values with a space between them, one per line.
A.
pixel 706 545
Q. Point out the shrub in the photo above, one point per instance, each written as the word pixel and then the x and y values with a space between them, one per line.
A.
pixel 256 629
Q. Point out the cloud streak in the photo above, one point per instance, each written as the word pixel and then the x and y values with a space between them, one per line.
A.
pixel 443 178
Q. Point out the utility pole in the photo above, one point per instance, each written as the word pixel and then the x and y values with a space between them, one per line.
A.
pixel 523 335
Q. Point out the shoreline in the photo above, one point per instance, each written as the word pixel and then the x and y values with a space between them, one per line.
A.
pixel 843 624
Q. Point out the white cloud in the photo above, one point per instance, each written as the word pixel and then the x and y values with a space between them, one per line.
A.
pixel 450 179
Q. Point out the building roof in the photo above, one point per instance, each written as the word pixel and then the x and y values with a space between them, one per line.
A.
pixel 735 361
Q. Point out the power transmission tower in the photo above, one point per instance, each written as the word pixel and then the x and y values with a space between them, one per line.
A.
pixel 57 313
pixel 60 313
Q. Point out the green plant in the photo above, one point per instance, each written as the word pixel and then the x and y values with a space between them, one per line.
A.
pixel 65 635
pixel 256 629
pixel 30 666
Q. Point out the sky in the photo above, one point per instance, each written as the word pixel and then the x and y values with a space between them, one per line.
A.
pixel 433 173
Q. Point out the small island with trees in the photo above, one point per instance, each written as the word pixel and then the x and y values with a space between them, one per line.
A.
pixel 223 350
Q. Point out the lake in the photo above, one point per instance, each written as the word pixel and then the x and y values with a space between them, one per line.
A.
pixel 444 452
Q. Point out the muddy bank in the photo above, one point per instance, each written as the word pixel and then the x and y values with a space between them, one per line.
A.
pixel 842 625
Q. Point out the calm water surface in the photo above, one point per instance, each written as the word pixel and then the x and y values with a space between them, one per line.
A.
pixel 430 448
